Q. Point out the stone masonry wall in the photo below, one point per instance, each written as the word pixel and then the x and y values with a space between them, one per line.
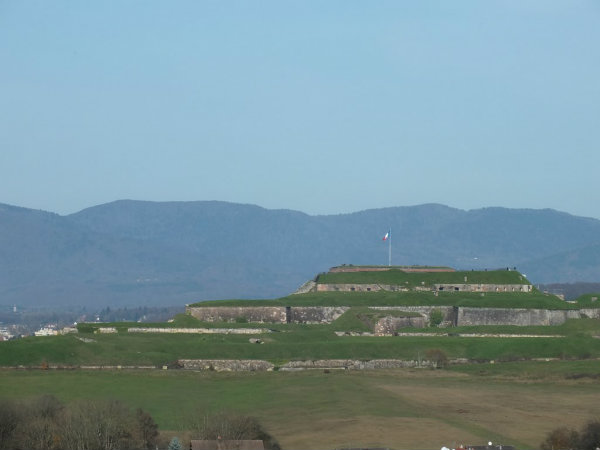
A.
pixel 448 312
pixel 462 287
pixel 520 317
pixel 199 330
pixel 387 326
pixel 345 287
pixel 268 314
pixel 260 314
pixel 316 314
pixel 454 315
pixel 226 365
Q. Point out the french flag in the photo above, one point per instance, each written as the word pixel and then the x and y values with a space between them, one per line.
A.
pixel 387 236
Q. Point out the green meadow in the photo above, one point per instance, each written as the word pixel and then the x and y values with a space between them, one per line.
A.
pixel 508 403
pixel 577 339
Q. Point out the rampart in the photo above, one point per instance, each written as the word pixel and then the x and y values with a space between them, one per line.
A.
pixel 462 287
pixel 484 287
pixel 260 314
pixel 359 287
pixel 352 269
pixel 390 325
pixel 198 330
pixel 452 315
pixel 268 314
pixel 520 316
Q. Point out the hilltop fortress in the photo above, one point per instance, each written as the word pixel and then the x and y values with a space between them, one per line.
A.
pixel 398 297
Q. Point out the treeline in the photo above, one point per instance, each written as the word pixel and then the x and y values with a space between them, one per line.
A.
pixel 45 423
pixel 564 438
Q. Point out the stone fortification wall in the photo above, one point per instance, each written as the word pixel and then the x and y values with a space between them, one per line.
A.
pixel 463 287
pixel 352 364
pixel 520 317
pixel 316 314
pixel 249 365
pixel 448 312
pixel 260 314
pixel 226 365
pixel 484 287
pixel 387 326
pixel 346 287
pixel 351 269
pixel 199 330
pixel 268 314
pixel 458 316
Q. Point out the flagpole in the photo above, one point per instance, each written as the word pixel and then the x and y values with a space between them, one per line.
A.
pixel 390 250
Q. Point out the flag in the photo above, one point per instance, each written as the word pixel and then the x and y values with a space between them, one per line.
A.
pixel 387 236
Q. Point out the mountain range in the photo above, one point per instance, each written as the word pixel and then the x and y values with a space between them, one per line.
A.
pixel 131 253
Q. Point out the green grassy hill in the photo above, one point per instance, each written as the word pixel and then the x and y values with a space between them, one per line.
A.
pixel 396 276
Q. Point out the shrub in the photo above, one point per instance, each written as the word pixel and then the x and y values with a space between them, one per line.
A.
pixel 435 318
pixel 437 357
pixel 175 444
pixel 564 438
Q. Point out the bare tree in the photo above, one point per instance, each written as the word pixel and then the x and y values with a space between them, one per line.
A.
pixel 561 438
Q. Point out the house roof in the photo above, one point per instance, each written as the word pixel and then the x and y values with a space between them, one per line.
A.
pixel 222 444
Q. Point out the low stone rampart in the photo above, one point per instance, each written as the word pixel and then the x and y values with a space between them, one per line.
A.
pixel 260 314
pixel 454 287
pixel 457 316
pixel 520 316
pixel 464 287
pixel 448 312
pixel 316 314
pixel 351 364
pixel 226 365
pixel 389 325
pixel 199 330
pixel 346 287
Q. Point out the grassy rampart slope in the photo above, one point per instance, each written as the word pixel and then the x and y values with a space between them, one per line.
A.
pixel 411 279
pixel 384 298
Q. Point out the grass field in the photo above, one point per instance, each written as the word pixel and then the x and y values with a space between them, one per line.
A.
pixel 300 342
pixel 510 403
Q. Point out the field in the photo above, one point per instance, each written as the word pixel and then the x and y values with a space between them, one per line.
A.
pixel 509 403
pixel 298 342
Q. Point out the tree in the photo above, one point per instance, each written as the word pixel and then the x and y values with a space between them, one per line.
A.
pixel 147 429
pixel 10 417
pixel 561 438
pixel 589 437
pixel 175 444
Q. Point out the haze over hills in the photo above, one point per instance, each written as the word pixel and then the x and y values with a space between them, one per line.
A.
pixel 160 253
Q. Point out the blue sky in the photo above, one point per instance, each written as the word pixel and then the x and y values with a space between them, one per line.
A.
pixel 323 107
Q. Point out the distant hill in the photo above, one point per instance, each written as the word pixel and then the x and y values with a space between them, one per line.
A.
pixel 162 253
